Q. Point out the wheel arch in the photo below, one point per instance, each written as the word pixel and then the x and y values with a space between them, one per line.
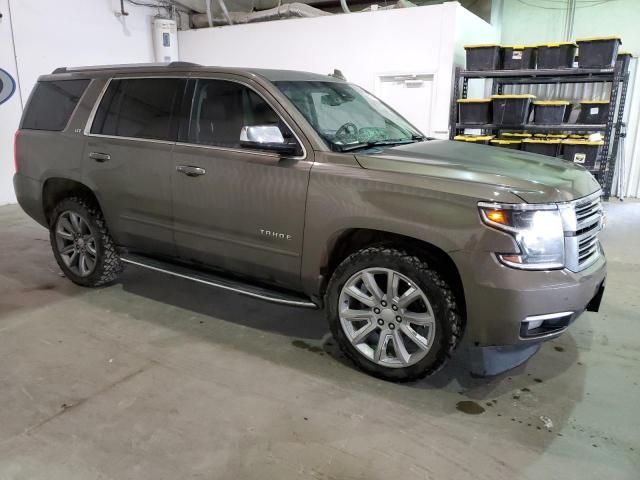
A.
pixel 56 189
pixel 349 241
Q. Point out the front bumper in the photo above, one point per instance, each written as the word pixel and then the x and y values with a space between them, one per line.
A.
pixel 501 301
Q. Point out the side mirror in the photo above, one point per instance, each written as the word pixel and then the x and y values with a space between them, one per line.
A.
pixel 266 137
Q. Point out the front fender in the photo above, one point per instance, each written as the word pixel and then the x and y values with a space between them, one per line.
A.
pixel 342 198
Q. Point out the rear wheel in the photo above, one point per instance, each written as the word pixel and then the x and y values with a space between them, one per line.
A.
pixel 81 243
pixel 392 314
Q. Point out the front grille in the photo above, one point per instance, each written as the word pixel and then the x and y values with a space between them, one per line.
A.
pixel 587 248
pixel 581 238
pixel 588 213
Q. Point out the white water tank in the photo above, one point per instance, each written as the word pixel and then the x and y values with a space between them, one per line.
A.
pixel 165 40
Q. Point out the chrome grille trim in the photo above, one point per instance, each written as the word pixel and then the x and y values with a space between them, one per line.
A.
pixel 582 221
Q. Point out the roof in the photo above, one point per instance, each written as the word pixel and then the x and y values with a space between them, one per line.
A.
pixel 272 75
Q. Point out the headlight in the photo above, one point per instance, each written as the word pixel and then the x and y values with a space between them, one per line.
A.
pixel 537 229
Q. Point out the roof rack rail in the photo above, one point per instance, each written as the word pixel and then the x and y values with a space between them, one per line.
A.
pixel 183 64
pixel 124 65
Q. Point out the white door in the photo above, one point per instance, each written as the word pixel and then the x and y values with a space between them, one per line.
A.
pixel 410 95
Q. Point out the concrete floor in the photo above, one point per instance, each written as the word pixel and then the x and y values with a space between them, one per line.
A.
pixel 160 378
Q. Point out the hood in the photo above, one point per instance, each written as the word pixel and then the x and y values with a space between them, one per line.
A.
pixel 534 178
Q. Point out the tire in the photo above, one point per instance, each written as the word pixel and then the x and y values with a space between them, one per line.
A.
pixel 99 245
pixel 439 324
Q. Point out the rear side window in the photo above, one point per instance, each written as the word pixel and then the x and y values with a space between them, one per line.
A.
pixel 52 104
pixel 138 108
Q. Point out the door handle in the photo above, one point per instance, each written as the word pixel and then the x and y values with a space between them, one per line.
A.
pixel 190 171
pixel 100 157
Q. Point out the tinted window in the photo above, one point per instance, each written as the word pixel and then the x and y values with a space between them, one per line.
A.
pixel 52 103
pixel 139 108
pixel 220 110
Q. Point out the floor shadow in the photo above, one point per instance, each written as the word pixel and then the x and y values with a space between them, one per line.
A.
pixel 308 330
pixel 519 396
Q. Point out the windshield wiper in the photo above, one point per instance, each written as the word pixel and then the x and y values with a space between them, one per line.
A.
pixel 376 143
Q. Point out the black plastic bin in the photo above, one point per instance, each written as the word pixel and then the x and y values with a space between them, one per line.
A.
pixel 623 59
pixel 504 143
pixel 518 57
pixel 477 139
pixel 556 55
pixel 474 111
pixel 598 52
pixel 511 109
pixel 542 146
pixel 483 57
pixel 593 112
pixel 549 112
pixel 582 152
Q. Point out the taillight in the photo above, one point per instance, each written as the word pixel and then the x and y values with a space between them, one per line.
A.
pixel 15 150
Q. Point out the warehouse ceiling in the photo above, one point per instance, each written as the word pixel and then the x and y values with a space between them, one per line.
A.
pixel 221 12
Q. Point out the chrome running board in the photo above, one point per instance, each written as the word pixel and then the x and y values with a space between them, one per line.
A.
pixel 219 281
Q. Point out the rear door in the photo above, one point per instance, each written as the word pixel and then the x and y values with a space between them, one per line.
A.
pixel 244 211
pixel 128 160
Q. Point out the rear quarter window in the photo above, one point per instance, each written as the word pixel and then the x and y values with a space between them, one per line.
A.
pixel 52 104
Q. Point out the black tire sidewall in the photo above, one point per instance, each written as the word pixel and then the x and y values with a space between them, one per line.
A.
pixel 414 269
pixel 72 205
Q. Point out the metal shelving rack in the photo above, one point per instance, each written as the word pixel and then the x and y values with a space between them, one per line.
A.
pixel 618 78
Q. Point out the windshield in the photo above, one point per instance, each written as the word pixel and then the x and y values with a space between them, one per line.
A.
pixel 347 116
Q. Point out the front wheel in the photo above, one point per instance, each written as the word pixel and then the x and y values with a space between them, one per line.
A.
pixel 392 314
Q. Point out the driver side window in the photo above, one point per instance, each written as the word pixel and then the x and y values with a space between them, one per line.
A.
pixel 221 108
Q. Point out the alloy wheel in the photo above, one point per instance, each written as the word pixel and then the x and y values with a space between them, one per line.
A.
pixel 387 317
pixel 76 243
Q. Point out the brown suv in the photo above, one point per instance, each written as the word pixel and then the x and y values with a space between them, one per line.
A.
pixel 306 190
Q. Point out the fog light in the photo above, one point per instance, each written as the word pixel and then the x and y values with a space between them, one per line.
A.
pixel 540 325
pixel 534 324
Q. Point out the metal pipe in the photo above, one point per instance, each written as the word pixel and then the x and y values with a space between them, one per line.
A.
pixel 569 20
pixel 15 57
pixel 209 16
pixel 288 10
pixel 225 11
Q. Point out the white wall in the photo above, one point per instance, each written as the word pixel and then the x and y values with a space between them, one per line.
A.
pixel 362 45
pixel 9 111
pixel 50 34
pixel 472 30
pixel 538 22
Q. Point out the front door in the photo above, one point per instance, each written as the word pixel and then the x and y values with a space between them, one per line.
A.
pixel 128 160
pixel 238 209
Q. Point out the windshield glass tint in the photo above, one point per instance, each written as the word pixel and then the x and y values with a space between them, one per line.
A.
pixel 346 116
